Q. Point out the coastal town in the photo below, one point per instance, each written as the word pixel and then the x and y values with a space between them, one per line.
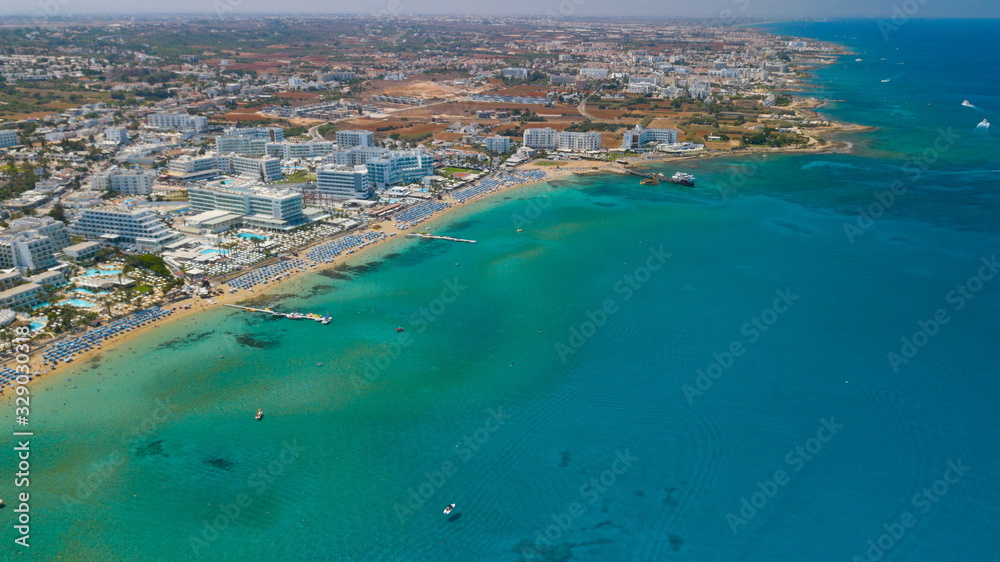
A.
pixel 154 166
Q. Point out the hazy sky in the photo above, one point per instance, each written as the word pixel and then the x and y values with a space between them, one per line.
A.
pixel 662 8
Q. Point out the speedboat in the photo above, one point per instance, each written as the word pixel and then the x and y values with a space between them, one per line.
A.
pixel 400 329
pixel 449 509
pixel 260 414
pixel 967 104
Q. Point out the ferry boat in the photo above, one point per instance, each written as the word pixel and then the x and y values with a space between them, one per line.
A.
pixel 260 415
pixel 449 509
pixel 682 178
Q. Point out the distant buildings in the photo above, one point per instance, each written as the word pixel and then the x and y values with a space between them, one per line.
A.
pixel 128 182
pixel 31 243
pixel 529 100
pixel 270 134
pixel 132 227
pixel 546 138
pixel 260 207
pixel 356 156
pixel 400 167
pixel 177 122
pixel 351 138
pixel 8 137
pixel 211 165
pixel 343 182
pixel 516 73
pixel 245 145
pixel 291 150
pixel 639 136
pixel 498 143
pixel 116 135
pixel 202 167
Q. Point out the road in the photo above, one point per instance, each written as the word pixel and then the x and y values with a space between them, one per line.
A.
pixel 582 108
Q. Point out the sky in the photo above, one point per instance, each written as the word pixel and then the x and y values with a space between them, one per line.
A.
pixel 574 8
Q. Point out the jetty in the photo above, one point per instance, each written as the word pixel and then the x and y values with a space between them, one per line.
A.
pixel 289 315
pixel 435 237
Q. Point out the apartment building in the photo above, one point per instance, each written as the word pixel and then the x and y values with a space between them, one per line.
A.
pixel 262 207
pixel 132 227
pixel 351 138
pixel 177 122
pixel 400 167
pixel 128 182
pixel 8 137
pixel 31 243
pixel 343 182
pixel 640 136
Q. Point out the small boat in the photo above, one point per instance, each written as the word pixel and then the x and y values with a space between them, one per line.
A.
pixel 260 414
pixel 400 329
pixel 449 509
pixel 967 104
pixel 651 180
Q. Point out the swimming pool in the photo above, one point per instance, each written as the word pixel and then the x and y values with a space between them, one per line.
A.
pixel 79 303
pixel 36 325
pixel 249 236
pixel 89 292
pixel 96 272
pixel 211 251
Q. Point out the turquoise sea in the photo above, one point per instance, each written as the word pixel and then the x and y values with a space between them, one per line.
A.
pixel 753 369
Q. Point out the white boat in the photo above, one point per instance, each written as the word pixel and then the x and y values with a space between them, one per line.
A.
pixel 260 415
pixel 449 509
pixel 967 104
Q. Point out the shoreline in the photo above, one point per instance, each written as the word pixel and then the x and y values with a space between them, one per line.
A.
pixel 803 107
pixel 199 305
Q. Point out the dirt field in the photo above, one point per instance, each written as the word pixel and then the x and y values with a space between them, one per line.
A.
pixel 423 89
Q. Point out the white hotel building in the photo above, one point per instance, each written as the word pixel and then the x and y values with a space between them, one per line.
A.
pixel 31 243
pixel 549 139
pixel 8 137
pixel 639 137
pixel 350 138
pixel 128 182
pixel 177 122
pixel 119 225
pixel 257 206
pixel 343 182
